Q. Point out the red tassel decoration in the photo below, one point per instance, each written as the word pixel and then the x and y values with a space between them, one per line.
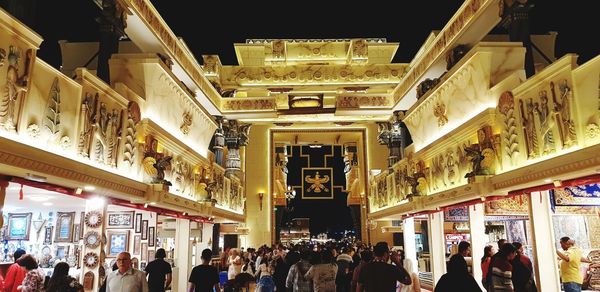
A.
pixel 21 193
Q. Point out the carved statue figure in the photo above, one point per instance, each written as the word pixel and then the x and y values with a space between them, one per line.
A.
pixel 562 108
pixel 529 128
pixel 426 85
pixel 155 163
pixel 351 168
pixel 14 86
pixel 547 123
pixel 455 55
pixel 395 136
pixel 476 156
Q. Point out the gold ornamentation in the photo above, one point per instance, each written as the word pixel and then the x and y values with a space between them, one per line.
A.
pixel 439 111
pixel 506 106
pixel 15 85
pixel 354 102
pixel 52 119
pixel 187 123
pixel 592 131
pixel 317 183
pixel 65 142
pixel 133 119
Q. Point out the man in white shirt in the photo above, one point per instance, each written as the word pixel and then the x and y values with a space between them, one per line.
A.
pixel 126 278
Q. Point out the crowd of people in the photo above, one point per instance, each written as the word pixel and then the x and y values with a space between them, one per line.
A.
pixel 330 267
pixel 304 267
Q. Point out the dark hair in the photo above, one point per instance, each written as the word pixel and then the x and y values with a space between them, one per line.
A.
pixel 19 253
pixel 326 256
pixel 315 258
pixel 457 264
pixel 292 257
pixel 380 249
pixel 366 255
pixel 206 254
pixel 501 242
pixel 60 277
pixel 27 261
pixel 160 253
pixel 564 239
pixel 486 253
pixel 463 246
pixel 507 249
pixel 517 245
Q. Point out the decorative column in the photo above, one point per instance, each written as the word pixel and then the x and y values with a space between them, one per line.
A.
pixel 516 20
pixel 410 245
pixel 236 136
pixel 219 141
pixel 3 186
pixel 93 256
pixel 544 244
pixel 395 135
pixel 478 238
pixel 437 245
pixel 182 255
pixel 112 28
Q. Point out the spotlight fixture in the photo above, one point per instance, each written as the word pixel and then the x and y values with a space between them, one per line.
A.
pixel 89 188
pixel 557 183
pixel 36 178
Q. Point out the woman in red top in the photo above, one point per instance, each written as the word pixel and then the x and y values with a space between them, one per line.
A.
pixel 15 273
pixel 488 252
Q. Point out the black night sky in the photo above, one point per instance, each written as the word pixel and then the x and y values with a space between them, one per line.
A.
pixel 211 27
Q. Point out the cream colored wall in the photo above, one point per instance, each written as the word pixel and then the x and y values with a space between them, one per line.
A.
pixel 377 235
pixel 257 180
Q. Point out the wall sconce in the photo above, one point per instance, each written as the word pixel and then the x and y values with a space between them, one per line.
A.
pixel 260 197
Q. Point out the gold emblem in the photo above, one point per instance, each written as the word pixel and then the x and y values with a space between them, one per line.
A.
pixel 439 111
pixel 317 183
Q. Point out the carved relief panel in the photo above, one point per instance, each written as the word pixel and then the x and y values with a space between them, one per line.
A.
pixel 101 121
pixel 15 71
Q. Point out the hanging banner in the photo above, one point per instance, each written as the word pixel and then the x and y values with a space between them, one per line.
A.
pixel 586 195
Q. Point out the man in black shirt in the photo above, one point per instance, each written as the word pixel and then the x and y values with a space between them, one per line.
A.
pixel 157 270
pixel 204 277
pixel 379 276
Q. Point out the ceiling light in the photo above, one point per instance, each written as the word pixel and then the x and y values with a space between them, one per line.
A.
pixel 97 202
pixel 38 198
pixel 548 180
pixel 78 191
pixel 89 188
pixel 47 204
pixel 146 205
pixel 14 188
pixel 557 183
pixel 35 177
pixel 152 203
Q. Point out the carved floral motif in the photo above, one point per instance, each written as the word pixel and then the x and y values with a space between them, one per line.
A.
pixel 506 106
pixel 187 123
pixel 15 85
pixel 130 146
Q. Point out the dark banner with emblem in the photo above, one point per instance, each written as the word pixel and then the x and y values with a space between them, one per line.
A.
pixel 317 183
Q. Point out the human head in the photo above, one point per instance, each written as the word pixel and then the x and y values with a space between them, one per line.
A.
pixel 565 242
pixel 60 270
pixel 366 255
pixel 509 251
pixel 160 253
pixel 518 246
pixel 124 262
pixel 18 253
pixel 457 264
pixel 501 242
pixel 327 256
pixel 206 254
pixel 28 262
pixel 464 248
pixel 381 249
pixel 488 251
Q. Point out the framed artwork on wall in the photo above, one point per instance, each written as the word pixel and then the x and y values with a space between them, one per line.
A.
pixel 137 242
pixel 76 233
pixel 138 223
pixel 65 222
pixel 151 236
pixel 118 241
pixel 48 235
pixel 62 251
pixel 81 222
pixel 144 229
pixel 120 219
pixel 18 226
pixel 151 254
pixel 144 255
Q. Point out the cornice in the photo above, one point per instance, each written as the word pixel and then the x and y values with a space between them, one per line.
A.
pixel 31 159
pixel 23 33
